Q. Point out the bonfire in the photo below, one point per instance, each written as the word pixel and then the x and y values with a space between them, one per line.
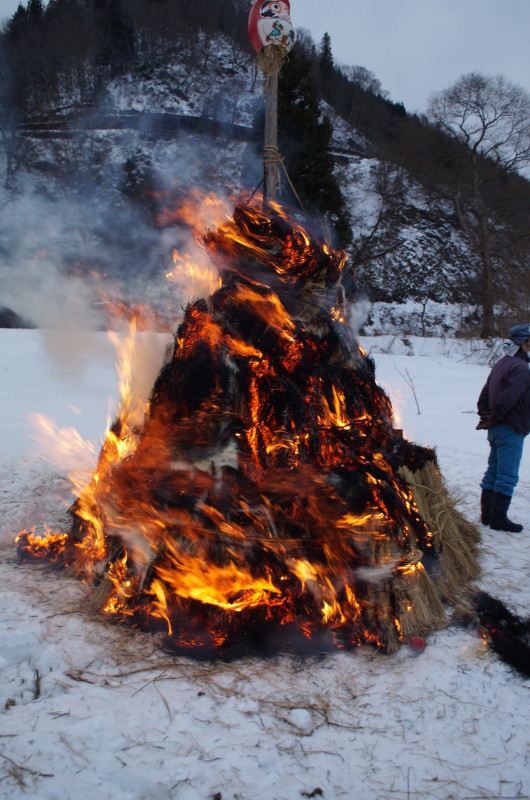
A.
pixel 265 500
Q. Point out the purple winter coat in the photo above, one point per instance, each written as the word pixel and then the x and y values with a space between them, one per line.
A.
pixel 505 396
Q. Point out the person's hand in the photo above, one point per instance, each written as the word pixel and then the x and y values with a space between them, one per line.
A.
pixel 485 422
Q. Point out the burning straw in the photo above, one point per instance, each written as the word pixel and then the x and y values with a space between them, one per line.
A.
pixel 266 501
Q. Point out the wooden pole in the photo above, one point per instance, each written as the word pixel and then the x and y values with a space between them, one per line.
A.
pixel 270 144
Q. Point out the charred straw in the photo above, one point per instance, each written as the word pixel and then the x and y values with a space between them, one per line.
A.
pixel 270 503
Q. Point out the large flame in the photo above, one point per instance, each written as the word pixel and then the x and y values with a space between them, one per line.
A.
pixel 259 488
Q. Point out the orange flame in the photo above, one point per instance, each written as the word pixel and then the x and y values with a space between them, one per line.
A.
pixel 215 496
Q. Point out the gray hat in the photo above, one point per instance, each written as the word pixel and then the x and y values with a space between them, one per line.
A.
pixel 519 334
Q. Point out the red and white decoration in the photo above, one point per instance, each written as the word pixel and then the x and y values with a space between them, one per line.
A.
pixel 269 23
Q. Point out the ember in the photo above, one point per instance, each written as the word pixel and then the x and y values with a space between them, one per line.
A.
pixel 264 499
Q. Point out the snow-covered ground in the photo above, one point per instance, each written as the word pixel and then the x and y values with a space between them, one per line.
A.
pixel 89 709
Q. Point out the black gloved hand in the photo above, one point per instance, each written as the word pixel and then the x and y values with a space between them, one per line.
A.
pixel 485 423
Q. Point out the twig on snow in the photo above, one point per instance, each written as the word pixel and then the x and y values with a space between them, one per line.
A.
pixel 409 380
pixel 19 771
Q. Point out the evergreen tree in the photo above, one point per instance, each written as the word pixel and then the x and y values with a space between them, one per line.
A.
pixel 326 66
pixel 17 23
pixel 304 139
pixel 117 41
pixel 35 12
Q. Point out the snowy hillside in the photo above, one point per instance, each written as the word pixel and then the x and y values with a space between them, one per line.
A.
pixel 213 78
pixel 88 708
pixel 93 182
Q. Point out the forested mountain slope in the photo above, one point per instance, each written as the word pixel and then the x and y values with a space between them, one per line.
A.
pixel 112 109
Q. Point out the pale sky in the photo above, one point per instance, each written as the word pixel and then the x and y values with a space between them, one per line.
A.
pixel 416 47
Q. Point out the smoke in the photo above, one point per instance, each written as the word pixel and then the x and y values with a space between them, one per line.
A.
pixel 82 221
pixel 358 313
pixel 81 227
pixel 82 250
pixel 68 244
pixel 139 357
pixel 36 238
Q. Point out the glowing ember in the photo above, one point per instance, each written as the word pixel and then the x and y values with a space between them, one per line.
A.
pixel 258 501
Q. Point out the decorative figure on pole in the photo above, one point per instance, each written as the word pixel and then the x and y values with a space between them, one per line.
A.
pixel 272 36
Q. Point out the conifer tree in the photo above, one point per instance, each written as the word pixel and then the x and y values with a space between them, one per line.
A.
pixel 326 67
pixel 117 40
pixel 17 23
pixel 35 12
pixel 304 140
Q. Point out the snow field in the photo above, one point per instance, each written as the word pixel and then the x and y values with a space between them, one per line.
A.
pixel 87 708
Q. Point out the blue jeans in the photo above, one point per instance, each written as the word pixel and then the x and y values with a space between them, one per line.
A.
pixel 506 451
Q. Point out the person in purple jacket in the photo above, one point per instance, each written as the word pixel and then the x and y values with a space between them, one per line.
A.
pixel 504 410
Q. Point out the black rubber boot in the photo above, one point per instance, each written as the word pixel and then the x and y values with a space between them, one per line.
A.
pixel 498 519
pixel 486 500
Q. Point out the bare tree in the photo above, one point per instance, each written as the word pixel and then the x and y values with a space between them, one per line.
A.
pixel 377 233
pixel 16 151
pixel 491 117
pixel 365 78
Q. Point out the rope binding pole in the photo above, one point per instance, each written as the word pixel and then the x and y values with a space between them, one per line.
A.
pixel 272 36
